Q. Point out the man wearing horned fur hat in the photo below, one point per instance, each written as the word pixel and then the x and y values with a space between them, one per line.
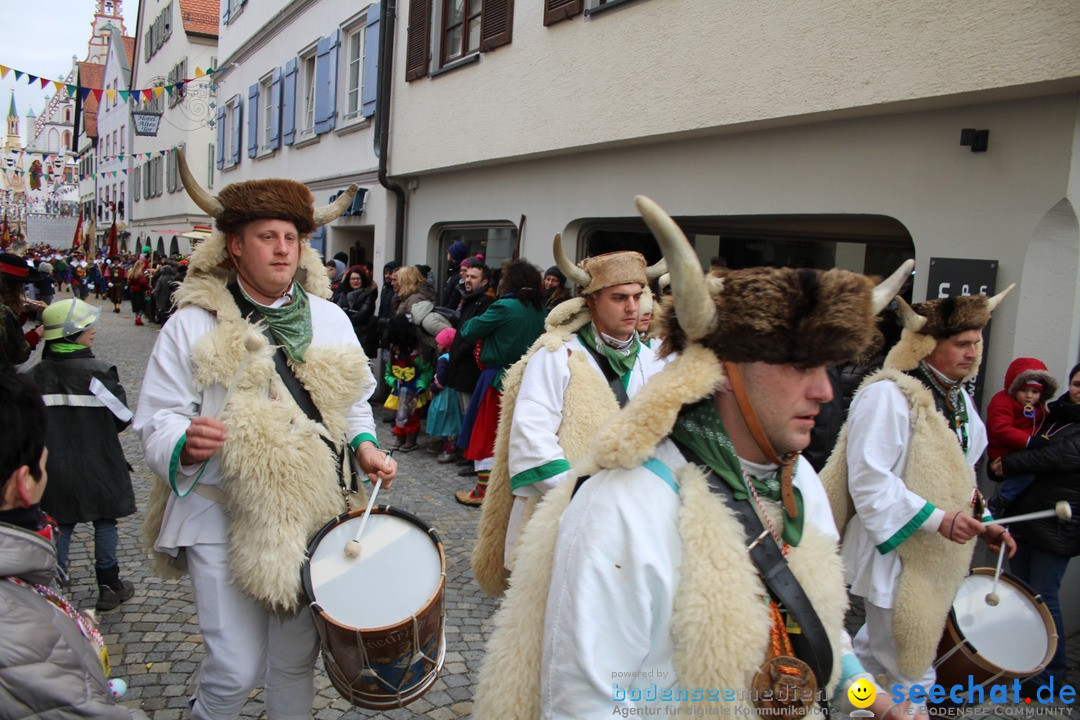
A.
pixel 635 589
pixel 247 475
pixel 904 466
pixel 559 392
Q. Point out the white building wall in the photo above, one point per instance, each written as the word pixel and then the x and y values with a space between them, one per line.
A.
pixel 114 123
pixel 187 124
pixel 264 36
pixel 666 67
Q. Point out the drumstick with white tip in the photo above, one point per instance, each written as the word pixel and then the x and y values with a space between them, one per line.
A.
pixel 1061 510
pixel 992 596
pixel 352 548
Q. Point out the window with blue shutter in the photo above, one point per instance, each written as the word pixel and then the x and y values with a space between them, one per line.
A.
pixel 288 103
pixel 371 60
pixel 237 104
pixel 220 139
pixel 274 141
pixel 326 71
pixel 253 121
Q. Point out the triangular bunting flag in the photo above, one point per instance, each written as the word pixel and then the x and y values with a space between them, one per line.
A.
pixel 169 89
pixel 31 79
pixel 44 82
pixel 3 71
pixel 124 94
pixel 58 85
pixel 198 72
pixel 148 95
pixel 84 92
pixel 111 93
pixel 18 74
pixel 97 93
pixel 158 90
pixel 72 89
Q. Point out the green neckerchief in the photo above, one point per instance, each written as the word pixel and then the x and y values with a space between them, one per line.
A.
pixel 622 361
pixel 699 427
pixel 60 347
pixel 949 399
pixel 290 323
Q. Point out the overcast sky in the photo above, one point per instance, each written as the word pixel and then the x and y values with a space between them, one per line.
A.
pixel 39 37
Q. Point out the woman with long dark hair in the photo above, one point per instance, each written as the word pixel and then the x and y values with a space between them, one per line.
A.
pixel 357 299
pixel 1044 547
pixel 504 331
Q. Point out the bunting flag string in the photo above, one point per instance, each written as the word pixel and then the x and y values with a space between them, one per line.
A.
pixel 147 93
pixel 31 154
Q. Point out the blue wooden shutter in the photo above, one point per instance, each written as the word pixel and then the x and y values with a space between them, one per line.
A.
pixel 369 94
pixel 288 103
pixel 253 121
pixel 237 118
pixel 220 140
pixel 274 140
pixel 326 64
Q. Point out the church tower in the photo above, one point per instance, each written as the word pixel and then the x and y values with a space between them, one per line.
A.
pixel 108 13
pixel 14 140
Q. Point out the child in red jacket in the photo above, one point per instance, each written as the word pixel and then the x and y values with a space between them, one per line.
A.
pixel 1013 420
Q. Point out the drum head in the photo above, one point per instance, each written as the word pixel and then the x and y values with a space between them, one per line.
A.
pixel 1012 634
pixel 396 575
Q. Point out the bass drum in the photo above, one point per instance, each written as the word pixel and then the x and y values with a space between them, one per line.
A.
pixel 1014 639
pixel 379 615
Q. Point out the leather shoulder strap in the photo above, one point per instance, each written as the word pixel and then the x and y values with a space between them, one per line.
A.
pixel 610 375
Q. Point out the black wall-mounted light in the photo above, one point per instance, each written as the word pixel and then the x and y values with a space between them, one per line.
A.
pixel 977 140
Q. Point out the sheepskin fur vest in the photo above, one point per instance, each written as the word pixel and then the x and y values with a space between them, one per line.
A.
pixel 588 402
pixel 932 567
pixel 720 626
pixel 279 477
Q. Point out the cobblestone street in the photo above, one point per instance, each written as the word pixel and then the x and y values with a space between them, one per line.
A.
pixel 154 640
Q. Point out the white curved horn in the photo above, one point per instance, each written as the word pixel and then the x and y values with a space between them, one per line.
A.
pixel 206 202
pixel 888 288
pixel 993 302
pixel 657 269
pixel 569 269
pixel 910 319
pixel 694 306
pixel 329 213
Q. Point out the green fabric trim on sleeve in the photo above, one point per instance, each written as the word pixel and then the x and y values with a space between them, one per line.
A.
pixel 541 472
pixel 905 532
pixel 363 437
pixel 174 466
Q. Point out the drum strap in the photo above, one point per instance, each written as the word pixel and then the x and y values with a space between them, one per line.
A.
pixel 815 649
pixel 296 388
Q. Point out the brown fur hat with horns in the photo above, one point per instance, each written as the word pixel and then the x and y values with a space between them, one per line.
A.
pixel 788 316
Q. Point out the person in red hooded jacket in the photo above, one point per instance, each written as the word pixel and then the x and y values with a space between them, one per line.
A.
pixel 1013 419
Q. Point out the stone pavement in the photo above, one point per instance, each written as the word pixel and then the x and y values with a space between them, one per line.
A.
pixel 154 639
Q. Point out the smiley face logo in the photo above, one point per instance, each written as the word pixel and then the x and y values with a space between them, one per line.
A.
pixel 862 693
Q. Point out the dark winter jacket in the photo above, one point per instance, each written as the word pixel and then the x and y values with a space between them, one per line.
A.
pixel 464 371
pixel 1056 466
pixel 88 475
pixel 47 668
pixel 359 305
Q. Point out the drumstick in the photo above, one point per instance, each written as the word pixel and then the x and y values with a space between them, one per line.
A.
pixel 992 596
pixel 352 548
pixel 1062 511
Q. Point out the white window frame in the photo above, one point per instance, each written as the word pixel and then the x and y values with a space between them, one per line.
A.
pixel 266 110
pixel 353 97
pixel 231 108
pixel 306 121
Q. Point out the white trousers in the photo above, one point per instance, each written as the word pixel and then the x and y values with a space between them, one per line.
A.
pixel 245 645
pixel 875 647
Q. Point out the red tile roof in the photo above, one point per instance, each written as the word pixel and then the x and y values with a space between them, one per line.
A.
pixel 200 16
pixel 91 75
pixel 129 50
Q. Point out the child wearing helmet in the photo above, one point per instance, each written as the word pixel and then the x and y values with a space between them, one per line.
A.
pixel 87 409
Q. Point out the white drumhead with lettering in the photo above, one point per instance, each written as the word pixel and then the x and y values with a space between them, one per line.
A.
pixel 1011 634
pixel 397 572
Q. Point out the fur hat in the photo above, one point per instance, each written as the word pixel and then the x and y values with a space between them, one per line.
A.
pixel 927 323
pixel 601 271
pixel 281 199
pixel 788 316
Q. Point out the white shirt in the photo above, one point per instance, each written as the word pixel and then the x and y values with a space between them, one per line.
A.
pixel 169 400
pixel 879 432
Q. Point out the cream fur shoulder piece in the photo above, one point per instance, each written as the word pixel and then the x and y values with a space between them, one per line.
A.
pixel 587 402
pixel 932 567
